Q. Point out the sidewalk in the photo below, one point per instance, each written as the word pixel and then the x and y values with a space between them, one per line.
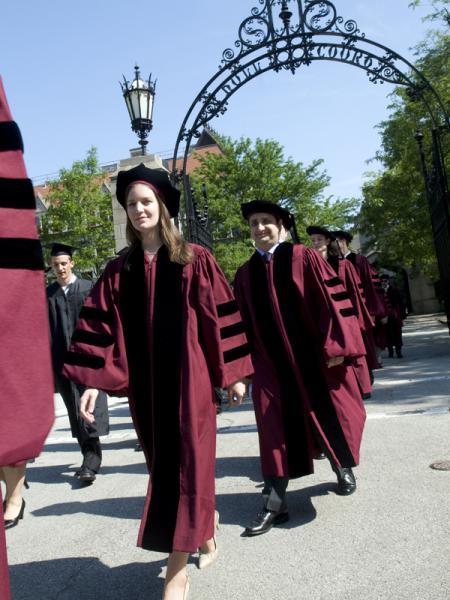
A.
pixel 389 541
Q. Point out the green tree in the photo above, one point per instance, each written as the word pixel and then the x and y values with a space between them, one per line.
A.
pixel 440 9
pixel 259 170
pixel 395 213
pixel 80 214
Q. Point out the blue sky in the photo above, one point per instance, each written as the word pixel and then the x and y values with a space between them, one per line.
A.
pixel 61 63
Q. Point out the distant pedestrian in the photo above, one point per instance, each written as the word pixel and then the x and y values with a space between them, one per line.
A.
pixel 65 299
pixel 303 333
pixel 396 311
pixel 162 327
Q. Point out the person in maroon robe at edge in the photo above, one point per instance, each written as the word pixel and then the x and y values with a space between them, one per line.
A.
pixel 396 314
pixel 26 401
pixel 373 297
pixel 162 327
pixel 324 242
pixel 304 335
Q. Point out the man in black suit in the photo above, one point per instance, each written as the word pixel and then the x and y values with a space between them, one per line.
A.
pixel 66 297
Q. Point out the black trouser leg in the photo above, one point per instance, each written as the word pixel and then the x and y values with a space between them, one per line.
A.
pixel 391 351
pixel 274 493
pixel 92 453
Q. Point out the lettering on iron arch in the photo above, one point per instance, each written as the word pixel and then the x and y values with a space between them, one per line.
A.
pixel 378 68
pixel 241 77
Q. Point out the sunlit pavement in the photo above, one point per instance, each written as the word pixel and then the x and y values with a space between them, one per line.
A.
pixel 390 540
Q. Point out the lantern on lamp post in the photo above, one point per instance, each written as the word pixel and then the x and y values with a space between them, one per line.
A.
pixel 139 97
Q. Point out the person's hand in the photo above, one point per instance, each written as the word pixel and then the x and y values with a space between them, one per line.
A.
pixel 384 320
pixel 87 405
pixel 333 362
pixel 236 393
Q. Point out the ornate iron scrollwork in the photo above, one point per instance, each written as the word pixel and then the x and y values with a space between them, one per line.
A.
pixel 286 35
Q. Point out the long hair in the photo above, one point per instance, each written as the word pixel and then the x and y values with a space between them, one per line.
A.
pixel 180 251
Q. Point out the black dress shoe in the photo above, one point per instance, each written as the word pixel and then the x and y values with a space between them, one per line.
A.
pixel 87 475
pixel 346 481
pixel 264 521
pixel 8 523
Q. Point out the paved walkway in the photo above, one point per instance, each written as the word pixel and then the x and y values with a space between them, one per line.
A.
pixel 389 541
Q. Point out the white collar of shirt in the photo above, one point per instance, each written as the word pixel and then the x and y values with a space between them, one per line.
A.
pixel 347 253
pixel 66 287
pixel 271 251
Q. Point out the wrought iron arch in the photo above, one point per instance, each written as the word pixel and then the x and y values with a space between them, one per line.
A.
pixel 286 35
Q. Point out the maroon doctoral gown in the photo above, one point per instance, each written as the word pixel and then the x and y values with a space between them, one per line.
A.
pixel 164 335
pixel 374 299
pixel 26 399
pixel 352 283
pixel 298 315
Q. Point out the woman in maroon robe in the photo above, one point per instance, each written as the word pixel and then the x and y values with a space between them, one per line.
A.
pixel 304 336
pixel 26 399
pixel 162 327
pixel 324 242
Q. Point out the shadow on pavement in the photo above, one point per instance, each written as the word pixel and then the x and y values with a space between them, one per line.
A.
pixel 73 446
pixel 66 473
pixel 239 466
pixel 240 509
pixel 86 578
pixel 118 508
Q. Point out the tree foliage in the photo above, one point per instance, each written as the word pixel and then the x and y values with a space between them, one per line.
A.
pixel 440 9
pixel 250 170
pixel 80 214
pixel 395 213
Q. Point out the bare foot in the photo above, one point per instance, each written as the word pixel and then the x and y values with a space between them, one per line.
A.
pixel 12 510
pixel 208 546
pixel 176 588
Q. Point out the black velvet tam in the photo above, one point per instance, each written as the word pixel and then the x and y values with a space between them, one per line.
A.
pixel 61 249
pixel 318 229
pixel 343 235
pixel 157 178
pixel 264 206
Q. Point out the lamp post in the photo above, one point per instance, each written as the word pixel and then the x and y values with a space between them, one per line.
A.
pixel 139 97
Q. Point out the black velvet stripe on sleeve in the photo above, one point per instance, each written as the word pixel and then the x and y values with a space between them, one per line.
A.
pixel 235 353
pixel 84 360
pixel 340 296
pixel 102 340
pixel 231 330
pixel 227 308
pixel 96 314
pixel 17 193
pixel 348 312
pixel 10 137
pixel 333 282
pixel 21 253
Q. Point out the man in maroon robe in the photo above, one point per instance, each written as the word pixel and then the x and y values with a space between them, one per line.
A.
pixel 26 401
pixel 304 337
pixel 372 294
